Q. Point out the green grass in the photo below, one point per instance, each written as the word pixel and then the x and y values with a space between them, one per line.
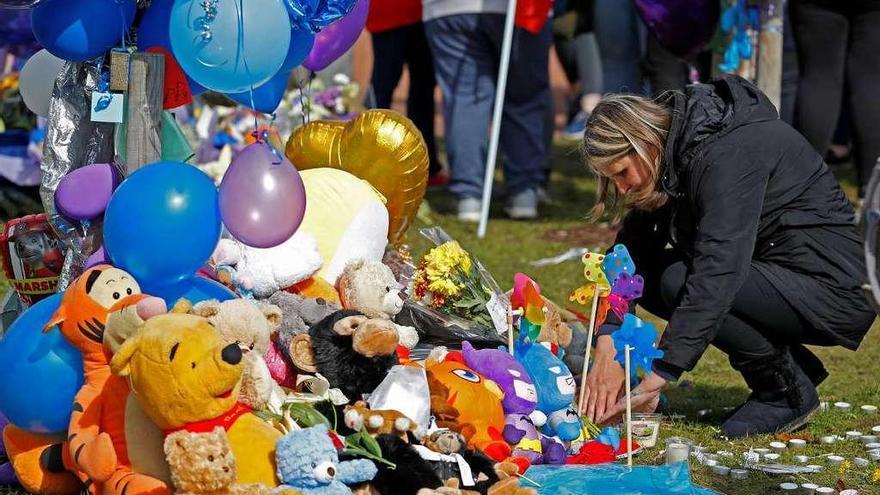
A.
pixel 509 246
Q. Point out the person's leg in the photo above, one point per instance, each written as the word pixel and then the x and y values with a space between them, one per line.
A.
pixel 388 59
pixel 524 116
pixel 465 63
pixel 617 33
pixel 758 335
pixel 863 73
pixel 664 70
pixel 420 103
pixel 821 38
pixel 789 70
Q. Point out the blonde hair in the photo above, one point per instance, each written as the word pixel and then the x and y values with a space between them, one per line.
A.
pixel 621 125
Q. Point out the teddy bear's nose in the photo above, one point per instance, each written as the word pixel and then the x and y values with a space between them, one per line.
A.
pixel 331 471
pixel 231 354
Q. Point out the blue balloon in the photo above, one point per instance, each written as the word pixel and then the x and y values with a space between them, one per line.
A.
pixel 41 372
pixel 193 288
pixel 301 43
pixel 162 223
pixel 268 96
pixel 153 31
pixel 235 50
pixel 78 30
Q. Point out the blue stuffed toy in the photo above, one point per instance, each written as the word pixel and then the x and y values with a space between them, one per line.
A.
pixel 307 461
pixel 556 389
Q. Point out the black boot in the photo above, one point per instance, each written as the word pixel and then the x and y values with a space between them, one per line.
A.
pixel 782 400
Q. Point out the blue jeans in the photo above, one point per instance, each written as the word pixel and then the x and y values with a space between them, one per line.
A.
pixel 621 36
pixel 467 52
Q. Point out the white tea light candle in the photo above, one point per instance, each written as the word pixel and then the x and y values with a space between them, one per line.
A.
pixel 739 474
pixel 853 435
pixel 842 406
pixel 809 488
pixel 788 487
pixel 771 457
pixel 860 462
pixel 869 409
pixel 824 490
pixel 721 470
pixel 827 439
pixel 777 445
pixel 802 459
pixel 835 460
pixel 797 443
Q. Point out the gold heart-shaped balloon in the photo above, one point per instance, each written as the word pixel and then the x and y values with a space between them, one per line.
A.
pixel 381 147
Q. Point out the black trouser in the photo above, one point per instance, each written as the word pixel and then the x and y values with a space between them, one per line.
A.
pixel 759 324
pixel 391 50
pixel 839 41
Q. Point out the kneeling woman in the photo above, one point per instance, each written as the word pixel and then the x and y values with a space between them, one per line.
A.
pixel 764 254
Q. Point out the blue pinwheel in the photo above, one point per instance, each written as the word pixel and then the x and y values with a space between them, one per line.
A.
pixel 641 337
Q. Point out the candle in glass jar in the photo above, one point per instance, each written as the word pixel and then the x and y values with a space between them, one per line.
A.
pixel 677 452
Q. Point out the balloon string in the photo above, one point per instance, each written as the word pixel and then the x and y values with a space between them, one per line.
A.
pixel 238 57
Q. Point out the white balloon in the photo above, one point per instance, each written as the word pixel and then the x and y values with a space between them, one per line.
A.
pixel 37 80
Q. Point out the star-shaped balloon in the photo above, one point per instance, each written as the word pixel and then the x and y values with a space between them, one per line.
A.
pixel 641 337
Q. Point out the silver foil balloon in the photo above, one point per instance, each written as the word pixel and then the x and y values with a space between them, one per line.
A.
pixel 72 141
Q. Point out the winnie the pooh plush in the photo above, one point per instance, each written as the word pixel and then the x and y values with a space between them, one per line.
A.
pixel 186 378
pixel 249 325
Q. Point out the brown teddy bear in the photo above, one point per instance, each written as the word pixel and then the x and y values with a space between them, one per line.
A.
pixel 203 464
pixel 359 416
pixel 370 287
pixel 249 325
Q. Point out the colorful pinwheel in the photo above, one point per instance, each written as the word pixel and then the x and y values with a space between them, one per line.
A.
pixel 641 338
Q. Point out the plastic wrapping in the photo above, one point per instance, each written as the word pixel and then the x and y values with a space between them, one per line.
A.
pixel 615 479
pixel 72 141
pixel 439 329
pixel 404 389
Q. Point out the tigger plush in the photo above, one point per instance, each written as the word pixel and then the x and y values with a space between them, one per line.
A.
pixel 97 450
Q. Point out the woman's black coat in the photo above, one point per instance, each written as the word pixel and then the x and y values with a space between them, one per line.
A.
pixel 747 190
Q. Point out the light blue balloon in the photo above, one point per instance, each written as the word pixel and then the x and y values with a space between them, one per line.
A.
pixel 243 46
pixel 268 96
pixel 41 372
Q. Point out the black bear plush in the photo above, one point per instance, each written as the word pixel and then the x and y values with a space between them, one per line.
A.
pixel 353 352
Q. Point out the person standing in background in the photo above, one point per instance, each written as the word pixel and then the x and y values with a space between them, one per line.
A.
pixel 465 37
pixel 399 39
pixel 837 42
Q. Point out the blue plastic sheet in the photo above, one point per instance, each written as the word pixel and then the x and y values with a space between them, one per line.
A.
pixel 614 479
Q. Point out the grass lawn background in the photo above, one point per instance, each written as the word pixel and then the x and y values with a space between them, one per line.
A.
pixel 509 247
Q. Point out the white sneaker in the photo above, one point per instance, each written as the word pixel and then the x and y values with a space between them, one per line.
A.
pixel 523 205
pixel 469 210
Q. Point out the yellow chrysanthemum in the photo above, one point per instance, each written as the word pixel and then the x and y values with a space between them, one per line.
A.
pixel 875 476
pixel 444 286
pixel 844 467
pixel 446 258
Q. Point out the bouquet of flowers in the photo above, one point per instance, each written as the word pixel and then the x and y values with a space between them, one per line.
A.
pixel 447 279
pixel 318 100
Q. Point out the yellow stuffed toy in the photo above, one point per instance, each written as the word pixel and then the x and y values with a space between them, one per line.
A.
pixel 187 379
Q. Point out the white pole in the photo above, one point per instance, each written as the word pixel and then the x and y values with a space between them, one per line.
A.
pixel 629 437
pixel 506 47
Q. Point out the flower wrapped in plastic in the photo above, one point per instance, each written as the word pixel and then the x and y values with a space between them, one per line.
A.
pixel 454 298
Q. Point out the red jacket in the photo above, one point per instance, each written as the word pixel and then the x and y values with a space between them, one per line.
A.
pixel 385 15
pixel 390 14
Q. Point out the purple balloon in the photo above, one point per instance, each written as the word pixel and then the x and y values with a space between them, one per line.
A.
pixel 337 38
pixel 681 26
pixel 84 193
pixel 99 257
pixel 262 197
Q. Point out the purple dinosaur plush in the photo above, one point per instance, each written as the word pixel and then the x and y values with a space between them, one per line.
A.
pixel 519 403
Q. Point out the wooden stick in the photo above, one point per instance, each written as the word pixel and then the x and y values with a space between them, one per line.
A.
pixel 629 455
pixel 590 333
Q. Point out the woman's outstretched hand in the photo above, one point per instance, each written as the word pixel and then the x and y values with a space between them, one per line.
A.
pixel 645 398
pixel 605 382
